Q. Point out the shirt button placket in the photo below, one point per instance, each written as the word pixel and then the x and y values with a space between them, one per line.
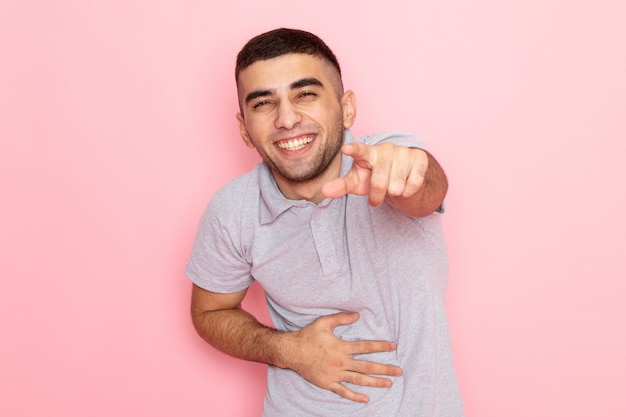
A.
pixel 323 243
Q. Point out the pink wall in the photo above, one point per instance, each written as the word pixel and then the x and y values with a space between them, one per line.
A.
pixel 117 124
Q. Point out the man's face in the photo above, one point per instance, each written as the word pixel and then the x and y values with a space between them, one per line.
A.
pixel 294 114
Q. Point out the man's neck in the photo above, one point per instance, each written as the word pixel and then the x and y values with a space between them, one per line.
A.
pixel 310 190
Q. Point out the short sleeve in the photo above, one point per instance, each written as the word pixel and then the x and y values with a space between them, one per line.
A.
pixel 217 262
pixel 397 138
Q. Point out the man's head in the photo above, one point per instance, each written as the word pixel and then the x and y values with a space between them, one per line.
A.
pixel 278 42
pixel 293 109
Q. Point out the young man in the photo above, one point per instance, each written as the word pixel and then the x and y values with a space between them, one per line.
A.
pixel 344 236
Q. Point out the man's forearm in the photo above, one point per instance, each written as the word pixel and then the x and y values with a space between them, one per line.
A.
pixel 239 334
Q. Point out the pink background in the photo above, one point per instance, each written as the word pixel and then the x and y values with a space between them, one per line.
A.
pixel 117 125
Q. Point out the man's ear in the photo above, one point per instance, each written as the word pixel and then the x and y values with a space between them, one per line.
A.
pixel 348 106
pixel 244 132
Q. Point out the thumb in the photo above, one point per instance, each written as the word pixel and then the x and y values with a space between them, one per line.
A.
pixel 357 150
pixel 338 319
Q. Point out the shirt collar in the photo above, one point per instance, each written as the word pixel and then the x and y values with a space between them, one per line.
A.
pixel 274 203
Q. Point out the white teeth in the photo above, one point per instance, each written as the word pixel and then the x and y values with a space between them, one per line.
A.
pixel 295 144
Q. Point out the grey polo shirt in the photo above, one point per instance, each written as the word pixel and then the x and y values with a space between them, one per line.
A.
pixel 338 255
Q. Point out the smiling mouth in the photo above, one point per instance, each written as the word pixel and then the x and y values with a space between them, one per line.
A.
pixel 296 144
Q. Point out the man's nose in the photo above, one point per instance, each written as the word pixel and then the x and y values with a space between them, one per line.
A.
pixel 287 117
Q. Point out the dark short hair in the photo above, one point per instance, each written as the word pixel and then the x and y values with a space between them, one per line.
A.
pixel 280 42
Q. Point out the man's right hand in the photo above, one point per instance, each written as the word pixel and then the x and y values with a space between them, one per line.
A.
pixel 323 359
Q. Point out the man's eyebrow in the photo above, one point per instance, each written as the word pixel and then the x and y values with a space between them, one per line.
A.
pixel 305 82
pixel 256 94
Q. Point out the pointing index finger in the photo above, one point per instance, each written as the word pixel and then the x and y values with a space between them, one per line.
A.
pixel 356 150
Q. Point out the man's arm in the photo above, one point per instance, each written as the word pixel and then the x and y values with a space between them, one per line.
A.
pixel 220 320
pixel 409 179
pixel 314 352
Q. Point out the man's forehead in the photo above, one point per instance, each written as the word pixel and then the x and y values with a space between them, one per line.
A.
pixel 284 70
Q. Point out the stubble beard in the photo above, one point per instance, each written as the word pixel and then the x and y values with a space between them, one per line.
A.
pixel 318 165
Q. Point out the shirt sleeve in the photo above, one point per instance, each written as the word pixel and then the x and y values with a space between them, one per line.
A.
pixel 397 138
pixel 217 262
